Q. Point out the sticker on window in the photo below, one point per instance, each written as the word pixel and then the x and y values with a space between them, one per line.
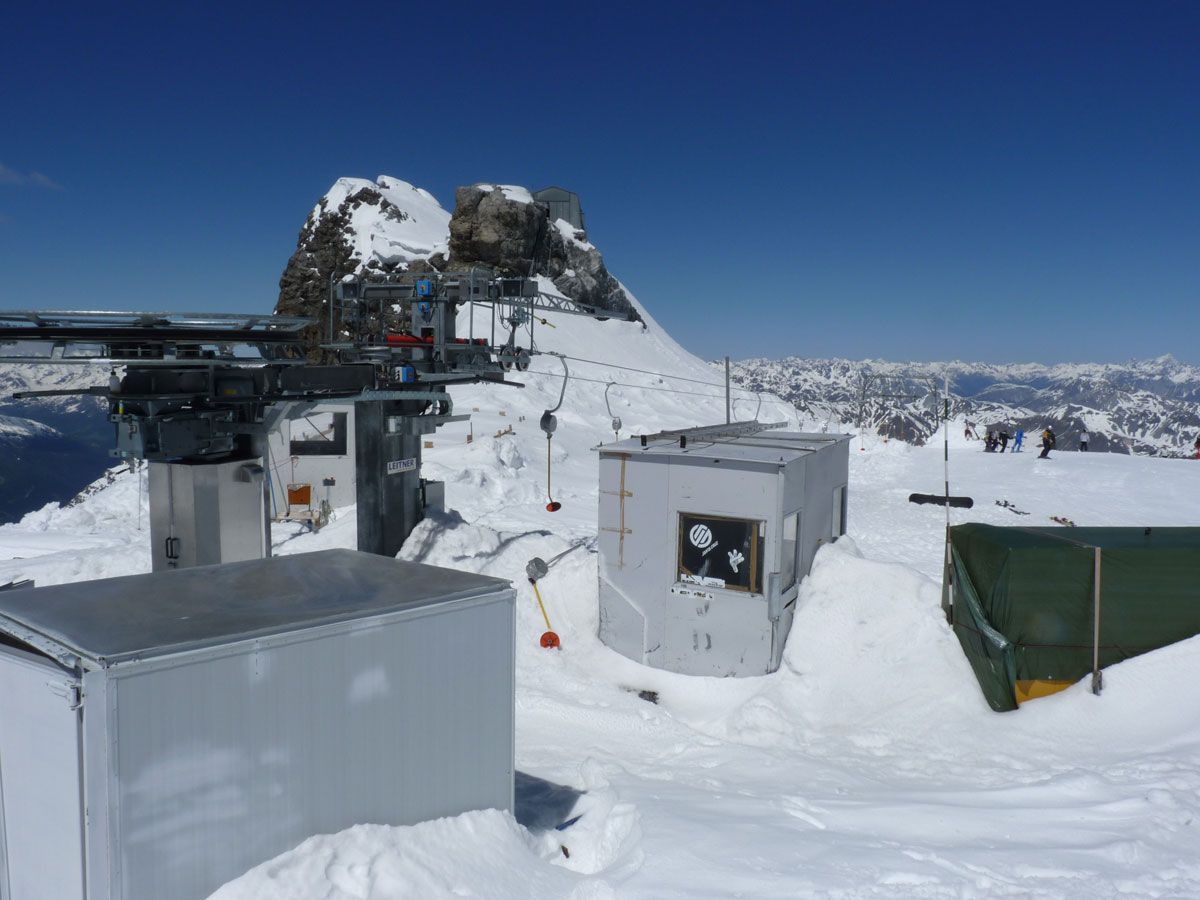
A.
pixel 720 551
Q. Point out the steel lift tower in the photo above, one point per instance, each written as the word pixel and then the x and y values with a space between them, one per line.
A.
pixel 196 395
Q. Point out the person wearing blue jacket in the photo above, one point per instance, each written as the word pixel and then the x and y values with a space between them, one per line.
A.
pixel 1018 440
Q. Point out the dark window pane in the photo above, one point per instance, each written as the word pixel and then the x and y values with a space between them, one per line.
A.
pixel 319 434
pixel 719 551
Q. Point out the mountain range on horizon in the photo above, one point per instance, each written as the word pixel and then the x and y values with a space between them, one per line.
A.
pixel 1148 407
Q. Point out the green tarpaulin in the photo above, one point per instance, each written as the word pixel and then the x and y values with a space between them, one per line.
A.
pixel 1023 601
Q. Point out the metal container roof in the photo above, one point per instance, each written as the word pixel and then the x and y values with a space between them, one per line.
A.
pixel 152 615
pixel 763 447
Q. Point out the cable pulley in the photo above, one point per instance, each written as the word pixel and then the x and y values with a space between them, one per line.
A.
pixel 616 421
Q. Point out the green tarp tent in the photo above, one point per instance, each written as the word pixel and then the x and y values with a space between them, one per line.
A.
pixel 1023 601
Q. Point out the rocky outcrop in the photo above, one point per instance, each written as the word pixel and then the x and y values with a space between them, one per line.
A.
pixel 358 228
pixel 490 229
pixel 376 228
pixel 502 228
pixel 322 253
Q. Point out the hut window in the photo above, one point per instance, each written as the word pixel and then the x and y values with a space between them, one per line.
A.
pixel 839 511
pixel 319 434
pixel 720 551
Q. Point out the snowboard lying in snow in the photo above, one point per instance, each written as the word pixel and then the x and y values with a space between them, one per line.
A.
pixel 942 500
pixel 1062 520
pixel 1005 504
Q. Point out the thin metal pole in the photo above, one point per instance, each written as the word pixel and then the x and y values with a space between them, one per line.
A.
pixel 862 410
pixel 331 338
pixel 728 408
pixel 946 446
pixel 1097 678
pixel 946 564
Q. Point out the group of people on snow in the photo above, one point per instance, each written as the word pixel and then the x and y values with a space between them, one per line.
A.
pixel 996 440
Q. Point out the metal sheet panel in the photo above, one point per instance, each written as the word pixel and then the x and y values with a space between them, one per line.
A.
pixel 768 447
pixel 145 616
pixel 209 512
pixel 622 625
pixel 98 782
pixel 41 810
pixel 228 761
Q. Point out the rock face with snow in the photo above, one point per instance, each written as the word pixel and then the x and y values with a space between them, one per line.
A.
pixel 374 228
pixel 359 227
pixel 502 228
pixel 1149 407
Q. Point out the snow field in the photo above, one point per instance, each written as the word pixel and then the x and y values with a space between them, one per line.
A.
pixel 102 537
pixel 868 766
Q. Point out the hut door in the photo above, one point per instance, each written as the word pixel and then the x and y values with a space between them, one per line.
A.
pixel 41 810
pixel 719 625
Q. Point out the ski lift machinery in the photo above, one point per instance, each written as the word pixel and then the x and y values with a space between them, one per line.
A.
pixel 197 395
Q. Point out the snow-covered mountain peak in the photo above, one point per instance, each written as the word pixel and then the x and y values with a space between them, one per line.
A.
pixel 15 427
pixel 372 229
pixel 388 221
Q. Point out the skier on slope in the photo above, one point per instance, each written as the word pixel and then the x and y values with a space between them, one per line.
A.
pixel 1004 438
pixel 1083 441
pixel 1197 446
pixel 1048 442
pixel 1018 440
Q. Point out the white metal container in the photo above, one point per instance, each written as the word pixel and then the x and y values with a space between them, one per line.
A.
pixel 161 734
pixel 704 538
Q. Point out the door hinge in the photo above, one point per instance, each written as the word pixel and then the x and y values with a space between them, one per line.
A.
pixel 69 691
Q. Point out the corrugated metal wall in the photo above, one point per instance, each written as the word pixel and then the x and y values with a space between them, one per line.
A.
pixel 227 760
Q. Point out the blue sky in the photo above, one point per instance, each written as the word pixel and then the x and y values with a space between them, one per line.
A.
pixel 1015 181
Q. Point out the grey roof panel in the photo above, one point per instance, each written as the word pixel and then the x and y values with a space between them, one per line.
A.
pixel 777 447
pixel 155 614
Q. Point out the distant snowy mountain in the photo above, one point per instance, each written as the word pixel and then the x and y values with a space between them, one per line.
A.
pixel 1148 407
pixel 50 447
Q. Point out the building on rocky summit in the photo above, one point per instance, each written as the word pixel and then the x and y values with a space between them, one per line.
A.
pixel 563 204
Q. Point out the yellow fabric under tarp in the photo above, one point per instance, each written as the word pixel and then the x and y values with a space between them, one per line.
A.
pixel 1034 688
